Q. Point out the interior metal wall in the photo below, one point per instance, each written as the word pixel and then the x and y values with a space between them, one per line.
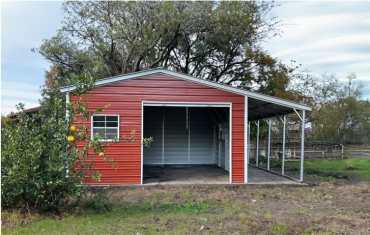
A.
pixel 187 137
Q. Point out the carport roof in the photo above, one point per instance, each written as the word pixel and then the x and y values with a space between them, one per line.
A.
pixel 259 106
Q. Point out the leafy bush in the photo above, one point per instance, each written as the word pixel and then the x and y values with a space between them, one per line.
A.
pixel 33 163
pixel 38 164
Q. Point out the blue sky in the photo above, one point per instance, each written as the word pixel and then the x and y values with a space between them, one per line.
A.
pixel 325 37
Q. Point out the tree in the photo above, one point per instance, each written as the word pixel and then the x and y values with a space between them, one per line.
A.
pixel 338 115
pixel 217 41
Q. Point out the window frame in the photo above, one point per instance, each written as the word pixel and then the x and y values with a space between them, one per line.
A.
pixel 105 115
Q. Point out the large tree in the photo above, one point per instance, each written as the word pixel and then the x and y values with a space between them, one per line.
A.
pixel 218 41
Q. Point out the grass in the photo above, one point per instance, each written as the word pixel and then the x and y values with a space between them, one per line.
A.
pixel 354 169
pixel 128 219
pixel 327 208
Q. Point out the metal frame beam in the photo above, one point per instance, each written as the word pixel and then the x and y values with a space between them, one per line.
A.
pixel 302 145
pixel 283 157
pixel 269 144
pixel 257 143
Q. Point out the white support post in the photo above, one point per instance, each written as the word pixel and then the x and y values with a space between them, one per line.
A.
pixel 302 144
pixel 257 142
pixel 67 122
pixel 246 140
pixel 188 130
pixel 249 141
pixel 269 145
pixel 163 127
pixel 283 158
pixel 67 108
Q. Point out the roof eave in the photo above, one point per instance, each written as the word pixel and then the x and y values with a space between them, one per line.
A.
pixel 239 91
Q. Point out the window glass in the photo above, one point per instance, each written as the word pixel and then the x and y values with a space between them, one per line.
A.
pixel 106 127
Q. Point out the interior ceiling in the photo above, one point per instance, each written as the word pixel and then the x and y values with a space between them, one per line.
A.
pixel 258 109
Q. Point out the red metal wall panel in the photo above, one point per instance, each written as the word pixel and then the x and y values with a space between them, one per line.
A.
pixel 125 98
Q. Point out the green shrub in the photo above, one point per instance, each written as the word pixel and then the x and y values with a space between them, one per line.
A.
pixel 33 162
pixel 35 155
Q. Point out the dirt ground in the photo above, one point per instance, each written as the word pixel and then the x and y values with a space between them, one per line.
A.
pixel 327 208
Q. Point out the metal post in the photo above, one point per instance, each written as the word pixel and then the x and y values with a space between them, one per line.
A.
pixel 283 159
pixel 67 108
pixel 246 140
pixel 67 122
pixel 249 141
pixel 302 144
pixel 188 130
pixel 269 145
pixel 257 142
pixel 163 125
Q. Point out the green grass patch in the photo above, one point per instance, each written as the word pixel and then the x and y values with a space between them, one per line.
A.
pixel 351 169
pixel 127 218
pixel 280 229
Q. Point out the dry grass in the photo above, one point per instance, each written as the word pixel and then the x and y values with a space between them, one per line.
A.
pixel 328 208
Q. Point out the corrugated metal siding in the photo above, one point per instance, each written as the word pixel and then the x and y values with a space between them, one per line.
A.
pixel 186 140
pixel 153 121
pixel 175 136
pixel 201 138
pixel 125 98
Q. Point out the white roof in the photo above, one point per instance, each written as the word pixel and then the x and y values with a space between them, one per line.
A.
pixel 254 95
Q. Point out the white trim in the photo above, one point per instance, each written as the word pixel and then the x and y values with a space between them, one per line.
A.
pixel 187 104
pixel 246 171
pixel 141 144
pixel 230 143
pixel 67 122
pixel 235 90
pixel 68 101
pixel 105 115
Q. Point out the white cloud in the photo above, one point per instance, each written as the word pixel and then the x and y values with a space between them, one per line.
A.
pixel 13 93
pixel 325 37
pixel 339 43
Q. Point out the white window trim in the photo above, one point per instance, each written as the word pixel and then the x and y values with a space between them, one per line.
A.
pixel 104 115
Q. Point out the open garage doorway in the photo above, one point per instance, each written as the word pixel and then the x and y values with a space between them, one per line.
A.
pixel 190 143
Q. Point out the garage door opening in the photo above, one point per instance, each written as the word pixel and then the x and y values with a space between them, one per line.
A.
pixel 190 144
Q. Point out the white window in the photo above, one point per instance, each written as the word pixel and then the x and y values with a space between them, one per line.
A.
pixel 105 126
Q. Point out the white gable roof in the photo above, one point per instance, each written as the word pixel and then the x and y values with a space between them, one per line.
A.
pixel 182 76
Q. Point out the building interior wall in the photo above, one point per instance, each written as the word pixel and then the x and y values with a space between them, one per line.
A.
pixel 187 136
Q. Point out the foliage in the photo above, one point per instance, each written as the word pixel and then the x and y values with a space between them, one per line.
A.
pixel 339 115
pixel 32 161
pixel 37 164
pixel 147 141
pixel 217 41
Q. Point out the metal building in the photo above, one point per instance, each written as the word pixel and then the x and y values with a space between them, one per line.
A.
pixel 197 127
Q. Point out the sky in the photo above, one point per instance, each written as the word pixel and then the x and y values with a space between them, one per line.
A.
pixel 323 36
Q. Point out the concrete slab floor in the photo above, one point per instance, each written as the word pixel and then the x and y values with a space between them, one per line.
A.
pixel 259 176
pixel 204 174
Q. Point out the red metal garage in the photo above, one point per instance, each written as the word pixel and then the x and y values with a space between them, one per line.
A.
pixel 173 96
